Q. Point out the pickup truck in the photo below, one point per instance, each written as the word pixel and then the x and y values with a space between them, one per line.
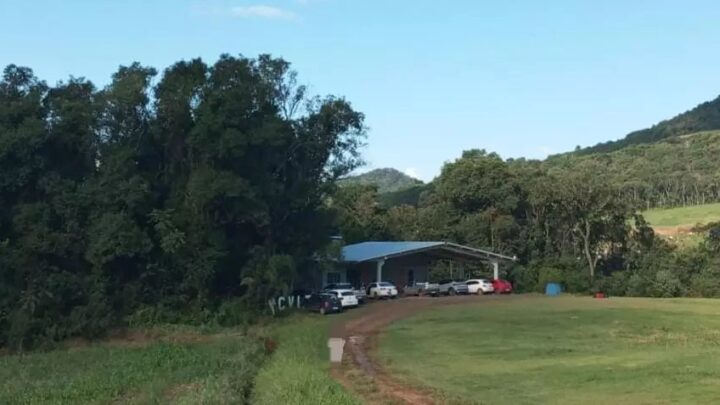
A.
pixel 423 288
pixel 453 287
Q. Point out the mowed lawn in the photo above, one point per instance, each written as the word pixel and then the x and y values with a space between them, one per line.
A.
pixel 568 350
pixel 683 216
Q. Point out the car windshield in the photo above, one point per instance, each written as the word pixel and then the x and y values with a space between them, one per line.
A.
pixel 347 294
pixel 343 286
pixel 386 284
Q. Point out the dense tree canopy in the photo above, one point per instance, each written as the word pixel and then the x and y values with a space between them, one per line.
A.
pixel 676 172
pixel 161 201
pixel 195 194
pixel 571 223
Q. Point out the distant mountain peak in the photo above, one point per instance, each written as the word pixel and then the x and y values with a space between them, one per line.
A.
pixel 386 179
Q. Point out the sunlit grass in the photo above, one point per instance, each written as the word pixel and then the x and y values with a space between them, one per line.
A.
pixel 683 216
pixel 298 372
pixel 562 350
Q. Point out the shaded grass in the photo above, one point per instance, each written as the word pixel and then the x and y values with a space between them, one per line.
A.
pixel 220 369
pixel 298 372
pixel 683 216
pixel 562 350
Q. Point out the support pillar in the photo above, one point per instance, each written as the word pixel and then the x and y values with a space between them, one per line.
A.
pixel 378 270
pixel 496 270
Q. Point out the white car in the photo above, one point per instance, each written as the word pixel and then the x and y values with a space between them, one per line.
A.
pixel 479 286
pixel 347 297
pixel 382 289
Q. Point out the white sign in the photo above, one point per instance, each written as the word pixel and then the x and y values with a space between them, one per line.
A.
pixel 283 303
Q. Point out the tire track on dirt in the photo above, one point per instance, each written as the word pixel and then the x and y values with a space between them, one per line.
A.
pixel 360 372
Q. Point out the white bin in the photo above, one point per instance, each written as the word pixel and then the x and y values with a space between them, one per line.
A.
pixel 336 346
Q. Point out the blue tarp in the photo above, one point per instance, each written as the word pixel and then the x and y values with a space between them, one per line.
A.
pixel 553 289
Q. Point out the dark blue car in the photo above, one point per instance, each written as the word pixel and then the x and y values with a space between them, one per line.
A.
pixel 324 303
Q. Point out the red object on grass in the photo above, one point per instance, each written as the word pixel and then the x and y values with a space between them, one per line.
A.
pixel 600 295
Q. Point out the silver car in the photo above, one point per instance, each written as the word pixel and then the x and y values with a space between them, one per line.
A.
pixel 453 287
pixel 422 288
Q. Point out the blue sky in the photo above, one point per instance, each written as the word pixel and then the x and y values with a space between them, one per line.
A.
pixel 521 78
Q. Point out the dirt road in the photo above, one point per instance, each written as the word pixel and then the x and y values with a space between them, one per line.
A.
pixel 360 372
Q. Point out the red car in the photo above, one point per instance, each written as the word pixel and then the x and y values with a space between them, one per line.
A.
pixel 502 286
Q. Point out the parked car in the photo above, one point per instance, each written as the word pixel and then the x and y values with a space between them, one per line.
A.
pixel 359 292
pixel 422 288
pixel 347 297
pixel 502 286
pixel 324 303
pixel 452 287
pixel 479 286
pixel 382 289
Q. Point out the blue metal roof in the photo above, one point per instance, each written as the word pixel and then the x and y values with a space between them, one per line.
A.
pixel 365 251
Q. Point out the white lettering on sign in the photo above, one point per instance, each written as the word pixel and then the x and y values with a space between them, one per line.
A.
pixel 282 303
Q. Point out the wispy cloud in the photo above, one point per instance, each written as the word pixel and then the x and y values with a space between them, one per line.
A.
pixel 263 11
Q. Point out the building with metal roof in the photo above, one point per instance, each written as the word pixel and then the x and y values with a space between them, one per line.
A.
pixel 406 262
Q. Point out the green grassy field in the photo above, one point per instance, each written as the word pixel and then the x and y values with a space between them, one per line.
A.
pixel 565 350
pixel 683 216
pixel 182 367
pixel 298 372
pixel 202 369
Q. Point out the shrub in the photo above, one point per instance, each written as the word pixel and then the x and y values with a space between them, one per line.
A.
pixel 576 280
pixel 615 284
pixel 236 313
pixel 666 284
pixel 524 278
pixel 565 271
pixel 705 284
pixel 637 286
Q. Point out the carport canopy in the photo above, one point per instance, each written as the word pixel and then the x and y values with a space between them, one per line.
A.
pixel 379 252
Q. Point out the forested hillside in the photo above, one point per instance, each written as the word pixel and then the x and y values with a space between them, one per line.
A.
pixel 386 180
pixel 572 221
pixel 704 117
pixel 682 170
pixel 678 171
